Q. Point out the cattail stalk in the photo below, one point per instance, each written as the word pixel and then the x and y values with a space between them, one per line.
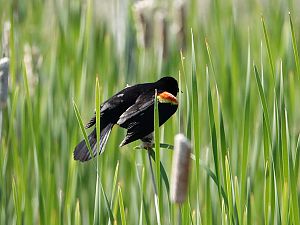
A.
pixel 152 173
pixel 180 169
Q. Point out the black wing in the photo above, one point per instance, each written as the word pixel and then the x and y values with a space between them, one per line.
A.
pixel 115 106
pixel 139 118
pixel 138 109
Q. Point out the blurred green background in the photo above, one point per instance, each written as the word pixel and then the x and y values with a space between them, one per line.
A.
pixel 246 169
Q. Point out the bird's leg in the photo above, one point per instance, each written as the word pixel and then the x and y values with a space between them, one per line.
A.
pixel 147 141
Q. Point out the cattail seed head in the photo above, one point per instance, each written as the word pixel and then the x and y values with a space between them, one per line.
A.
pixel 180 168
pixel 161 31
pixel 143 13
pixel 32 62
pixel 181 21
pixel 4 70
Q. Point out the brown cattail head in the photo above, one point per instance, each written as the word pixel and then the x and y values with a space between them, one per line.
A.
pixel 143 12
pixel 181 21
pixel 4 70
pixel 161 31
pixel 180 168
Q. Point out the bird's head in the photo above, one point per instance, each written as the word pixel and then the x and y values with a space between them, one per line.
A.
pixel 168 84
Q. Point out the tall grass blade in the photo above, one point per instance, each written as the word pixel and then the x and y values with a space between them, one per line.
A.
pixel 246 133
pixel 108 207
pixel 285 204
pixel 295 48
pixel 77 214
pixel 210 59
pixel 208 210
pixel 229 189
pixel 284 133
pixel 158 195
pixel 264 104
pixel 267 194
pixel 12 50
pixel 268 48
pixel 114 184
pixel 12 115
pixel 97 106
pixel 297 158
pixel 96 218
pixel 294 193
pixel 143 201
pixel 237 205
pixel 163 173
pixel 79 120
pixel 32 136
pixel 248 207
pixel 195 108
pixel 16 202
pixel 213 133
pixel 195 117
pixel 157 141
pixel 121 206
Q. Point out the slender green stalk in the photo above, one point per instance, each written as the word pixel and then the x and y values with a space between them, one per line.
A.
pixel 263 103
pixel 17 203
pixel 108 207
pixel 195 123
pixel 157 140
pixel 213 134
pixel 246 133
pixel 268 48
pixel 99 184
pixel 237 205
pixel 229 189
pixel 156 199
pixel 96 218
pixel 295 48
pixel 267 194
pixel 77 214
pixel 121 205
pixel 79 120
pixel 294 196
pixel 158 194
pixel 114 184
pixel 208 210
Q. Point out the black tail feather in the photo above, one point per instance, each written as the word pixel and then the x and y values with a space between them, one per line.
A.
pixel 81 151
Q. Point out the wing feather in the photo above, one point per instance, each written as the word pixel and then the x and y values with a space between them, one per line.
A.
pixel 143 102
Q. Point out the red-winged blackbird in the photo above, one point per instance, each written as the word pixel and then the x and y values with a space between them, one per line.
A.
pixel 133 109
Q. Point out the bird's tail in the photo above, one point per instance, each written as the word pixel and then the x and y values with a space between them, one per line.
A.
pixel 81 151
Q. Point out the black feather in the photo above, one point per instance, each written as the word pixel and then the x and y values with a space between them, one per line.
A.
pixel 82 152
pixel 131 108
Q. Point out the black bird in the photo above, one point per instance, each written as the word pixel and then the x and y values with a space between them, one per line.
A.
pixel 133 109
